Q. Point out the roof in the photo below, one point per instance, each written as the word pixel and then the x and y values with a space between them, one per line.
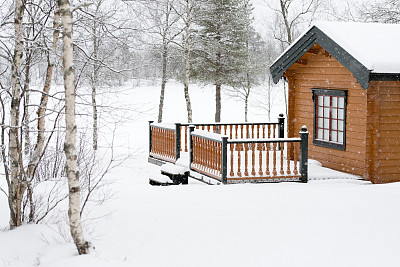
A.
pixel 368 50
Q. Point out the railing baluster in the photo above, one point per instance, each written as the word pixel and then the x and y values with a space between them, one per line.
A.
pixel 231 173
pixel 236 131
pixel 263 131
pixel 295 171
pixel 241 131
pixel 282 145
pixel 273 130
pixel 225 127
pixel 186 139
pixel 288 148
pixel 246 173
pixel 267 161
pixel 252 131
pixel 238 149
pixel 274 173
pixel 260 150
pixel 258 131
pixel 253 171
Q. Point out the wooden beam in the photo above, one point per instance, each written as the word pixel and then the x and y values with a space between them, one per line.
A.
pixel 302 61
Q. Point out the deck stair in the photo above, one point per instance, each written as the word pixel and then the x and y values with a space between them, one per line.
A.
pixel 171 175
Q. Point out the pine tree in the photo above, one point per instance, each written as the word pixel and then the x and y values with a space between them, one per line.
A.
pixel 220 52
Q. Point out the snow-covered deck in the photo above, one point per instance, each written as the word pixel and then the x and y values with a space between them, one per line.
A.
pixel 232 153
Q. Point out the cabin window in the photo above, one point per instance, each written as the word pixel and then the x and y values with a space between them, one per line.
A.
pixel 330 118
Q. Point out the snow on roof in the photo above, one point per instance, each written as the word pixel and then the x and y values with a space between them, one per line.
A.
pixel 375 45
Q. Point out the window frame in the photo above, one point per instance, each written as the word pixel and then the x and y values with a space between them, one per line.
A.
pixel 329 92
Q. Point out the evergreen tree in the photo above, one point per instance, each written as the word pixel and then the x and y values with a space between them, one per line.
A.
pixel 220 52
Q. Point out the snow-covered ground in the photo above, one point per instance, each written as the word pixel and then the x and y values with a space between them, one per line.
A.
pixel 326 222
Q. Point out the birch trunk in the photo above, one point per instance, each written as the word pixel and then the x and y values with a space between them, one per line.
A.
pixel 94 84
pixel 163 80
pixel 187 62
pixel 17 185
pixel 70 135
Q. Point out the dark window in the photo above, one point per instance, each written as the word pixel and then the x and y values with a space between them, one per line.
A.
pixel 330 118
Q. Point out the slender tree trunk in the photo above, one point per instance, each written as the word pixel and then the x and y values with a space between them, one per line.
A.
pixel 187 62
pixel 41 112
pixel 25 125
pixel 246 97
pixel 94 85
pixel 218 103
pixel 163 80
pixel 285 19
pixel 17 186
pixel 71 128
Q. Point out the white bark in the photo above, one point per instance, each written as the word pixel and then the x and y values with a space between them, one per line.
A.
pixel 70 136
pixel 187 61
pixel 17 186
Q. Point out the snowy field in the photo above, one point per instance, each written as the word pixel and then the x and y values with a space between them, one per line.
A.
pixel 334 220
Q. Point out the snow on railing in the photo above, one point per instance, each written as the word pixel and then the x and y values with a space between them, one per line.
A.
pixel 235 130
pixel 162 143
pixel 256 160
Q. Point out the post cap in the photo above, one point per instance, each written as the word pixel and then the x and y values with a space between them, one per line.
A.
pixel 151 121
pixel 304 128
pixel 281 115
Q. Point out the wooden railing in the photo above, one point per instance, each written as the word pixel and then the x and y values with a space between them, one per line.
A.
pixel 163 142
pixel 256 160
pixel 206 156
pixel 234 130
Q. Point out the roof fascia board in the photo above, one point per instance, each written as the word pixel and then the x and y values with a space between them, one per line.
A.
pixel 313 36
pixel 384 77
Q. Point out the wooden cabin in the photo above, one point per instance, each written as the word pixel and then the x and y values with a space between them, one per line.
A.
pixel 344 83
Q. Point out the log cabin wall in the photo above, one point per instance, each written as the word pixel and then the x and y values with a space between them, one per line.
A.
pixel 319 70
pixel 383 131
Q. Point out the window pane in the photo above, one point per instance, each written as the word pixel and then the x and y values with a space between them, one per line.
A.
pixel 320 122
pixel 326 123
pixel 334 136
pixel 326 135
pixel 326 112
pixel 320 132
pixel 320 112
pixel 334 124
pixel 334 113
pixel 334 101
pixel 320 100
pixel 327 101
pixel 341 114
pixel 340 125
pixel 340 137
pixel 341 102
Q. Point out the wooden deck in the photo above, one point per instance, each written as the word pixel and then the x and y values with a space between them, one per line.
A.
pixel 233 153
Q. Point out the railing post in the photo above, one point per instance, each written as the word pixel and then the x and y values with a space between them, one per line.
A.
pixel 281 128
pixel 177 141
pixel 304 154
pixel 191 129
pixel 224 159
pixel 150 141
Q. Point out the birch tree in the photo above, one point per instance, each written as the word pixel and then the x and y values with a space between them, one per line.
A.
pixel 16 183
pixel 71 128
